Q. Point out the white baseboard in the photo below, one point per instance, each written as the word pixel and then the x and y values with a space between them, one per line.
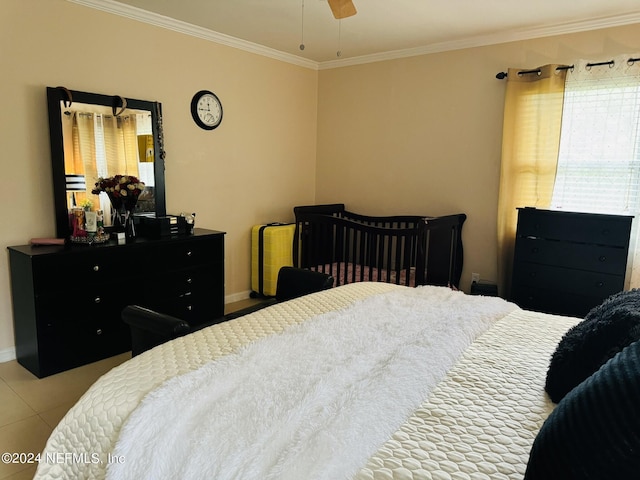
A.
pixel 7 354
pixel 236 297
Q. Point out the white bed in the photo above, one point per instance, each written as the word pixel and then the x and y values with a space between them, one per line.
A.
pixel 477 420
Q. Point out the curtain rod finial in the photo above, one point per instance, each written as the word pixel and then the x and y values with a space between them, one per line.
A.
pixel 501 75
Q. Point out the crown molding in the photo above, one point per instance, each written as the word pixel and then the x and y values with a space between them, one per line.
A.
pixel 492 39
pixel 151 18
pixel 117 8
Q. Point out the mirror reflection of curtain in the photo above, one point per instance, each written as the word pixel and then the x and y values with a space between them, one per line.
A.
pixel 530 144
pixel 121 145
pixel 84 150
pixel 103 146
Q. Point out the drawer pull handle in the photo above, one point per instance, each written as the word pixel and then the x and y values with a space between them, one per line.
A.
pixel 189 307
pixel 97 300
pixel 99 331
pixel 96 268
pixel 189 280
pixel 602 258
pixel 189 253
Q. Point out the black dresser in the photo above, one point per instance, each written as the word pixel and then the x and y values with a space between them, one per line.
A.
pixel 567 263
pixel 67 300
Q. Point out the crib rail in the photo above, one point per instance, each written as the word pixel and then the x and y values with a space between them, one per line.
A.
pixel 407 250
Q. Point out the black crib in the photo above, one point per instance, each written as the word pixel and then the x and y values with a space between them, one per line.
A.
pixel 405 250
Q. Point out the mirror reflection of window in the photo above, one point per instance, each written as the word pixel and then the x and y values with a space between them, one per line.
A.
pixel 99 144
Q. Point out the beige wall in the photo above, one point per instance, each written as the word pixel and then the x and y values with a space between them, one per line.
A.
pixel 422 135
pixel 253 169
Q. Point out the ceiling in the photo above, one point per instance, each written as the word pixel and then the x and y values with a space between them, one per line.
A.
pixel 381 28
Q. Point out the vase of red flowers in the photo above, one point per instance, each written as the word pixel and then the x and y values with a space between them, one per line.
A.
pixel 123 192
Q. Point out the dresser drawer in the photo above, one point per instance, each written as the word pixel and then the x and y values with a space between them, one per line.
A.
pixel 70 345
pixel 76 272
pixel 590 228
pixel 171 256
pixel 78 329
pixel 566 280
pixel 73 308
pixel 595 258
pixel 202 281
pixel 194 309
pixel 195 295
pixel 553 301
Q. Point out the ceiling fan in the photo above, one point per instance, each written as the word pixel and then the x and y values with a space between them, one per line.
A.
pixel 342 8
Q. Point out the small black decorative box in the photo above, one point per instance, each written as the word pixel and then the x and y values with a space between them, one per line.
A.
pixel 156 227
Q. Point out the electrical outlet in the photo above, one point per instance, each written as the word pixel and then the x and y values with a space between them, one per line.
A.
pixel 475 278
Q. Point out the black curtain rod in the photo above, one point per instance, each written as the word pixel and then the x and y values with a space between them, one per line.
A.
pixel 503 75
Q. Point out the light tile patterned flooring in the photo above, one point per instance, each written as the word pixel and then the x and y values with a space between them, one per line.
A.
pixel 30 407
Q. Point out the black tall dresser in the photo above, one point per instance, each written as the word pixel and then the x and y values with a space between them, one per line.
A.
pixel 67 300
pixel 567 263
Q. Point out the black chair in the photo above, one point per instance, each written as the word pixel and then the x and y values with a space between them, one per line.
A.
pixel 150 328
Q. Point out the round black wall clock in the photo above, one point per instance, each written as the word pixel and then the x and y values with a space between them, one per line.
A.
pixel 206 110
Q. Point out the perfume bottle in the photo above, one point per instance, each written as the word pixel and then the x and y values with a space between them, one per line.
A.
pixel 100 222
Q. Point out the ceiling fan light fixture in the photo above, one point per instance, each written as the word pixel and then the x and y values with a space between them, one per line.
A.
pixel 342 8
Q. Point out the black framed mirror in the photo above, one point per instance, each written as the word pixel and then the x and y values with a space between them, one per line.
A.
pixel 94 135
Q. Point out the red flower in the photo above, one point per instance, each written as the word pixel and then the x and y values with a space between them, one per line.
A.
pixel 123 190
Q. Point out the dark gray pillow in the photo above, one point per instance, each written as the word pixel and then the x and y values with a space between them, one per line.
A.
pixel 604 332
pixel 594 432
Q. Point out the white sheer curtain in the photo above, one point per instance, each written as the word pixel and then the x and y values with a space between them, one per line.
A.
pixel 599 157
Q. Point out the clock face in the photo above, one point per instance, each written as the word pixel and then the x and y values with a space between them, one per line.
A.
pixel 206 110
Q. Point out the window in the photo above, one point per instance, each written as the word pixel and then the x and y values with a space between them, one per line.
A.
pixel 599 158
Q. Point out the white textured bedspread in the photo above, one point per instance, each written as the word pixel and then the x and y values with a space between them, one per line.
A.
pixel 478 423
pixel 314 402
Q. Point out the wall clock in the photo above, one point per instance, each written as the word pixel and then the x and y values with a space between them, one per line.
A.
pixel 206 110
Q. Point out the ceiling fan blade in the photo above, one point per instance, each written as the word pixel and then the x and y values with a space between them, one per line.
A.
pixel 342 8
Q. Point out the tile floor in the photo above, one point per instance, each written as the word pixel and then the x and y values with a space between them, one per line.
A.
pixel 30 407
